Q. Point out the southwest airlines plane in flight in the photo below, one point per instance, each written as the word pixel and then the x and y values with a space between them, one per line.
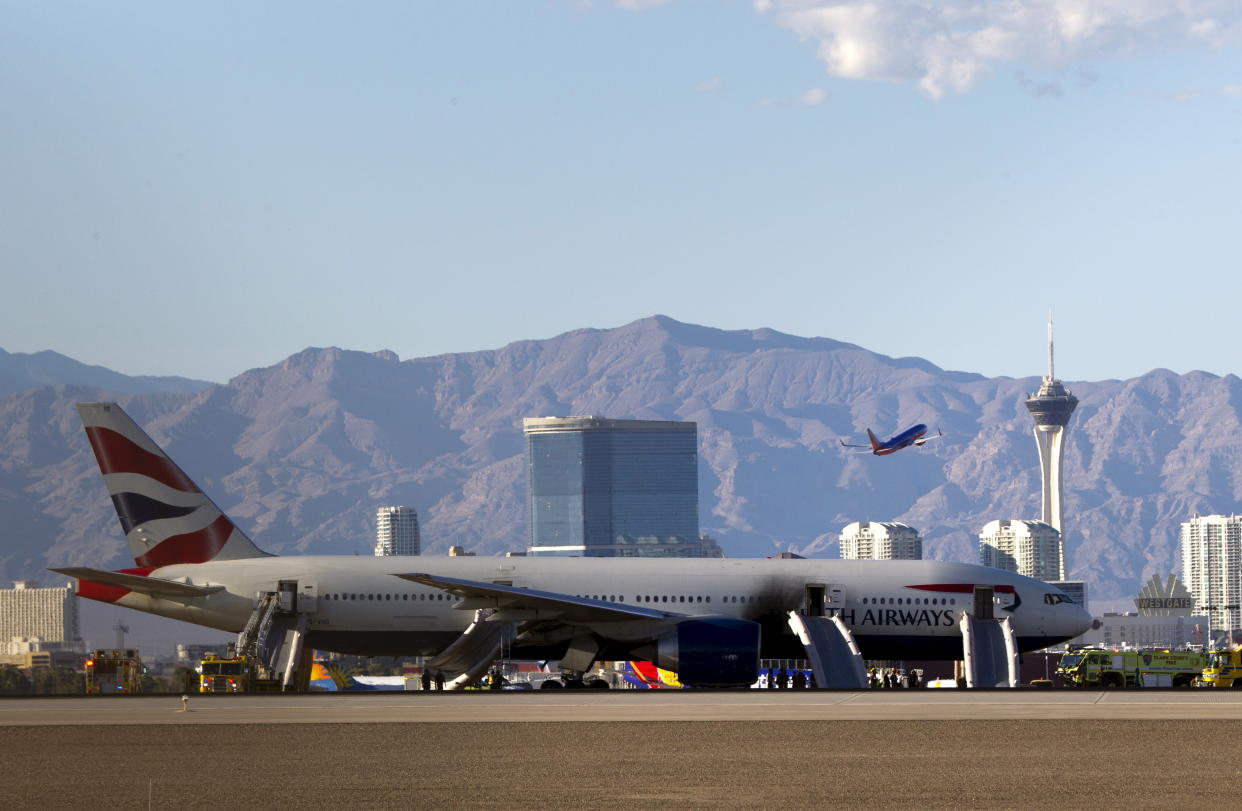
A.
pixel 710 621
pixel 915 435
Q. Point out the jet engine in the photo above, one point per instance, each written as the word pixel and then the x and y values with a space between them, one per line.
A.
pixel 711 652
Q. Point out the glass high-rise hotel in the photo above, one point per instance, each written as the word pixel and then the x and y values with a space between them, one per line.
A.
pixel 612 488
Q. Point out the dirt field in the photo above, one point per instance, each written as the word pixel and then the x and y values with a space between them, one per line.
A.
pixel 875 764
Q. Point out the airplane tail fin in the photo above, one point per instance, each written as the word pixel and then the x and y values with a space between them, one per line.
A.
pixel 164 516
pixel 875 442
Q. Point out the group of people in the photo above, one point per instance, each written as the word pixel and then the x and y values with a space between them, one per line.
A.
pixel 890 678
pixel 429 679
pixel 789 680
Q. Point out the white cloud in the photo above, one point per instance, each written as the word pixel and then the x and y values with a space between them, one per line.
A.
pixel 948 46
pixel 811 98
pixel 710 86
pixel 640 5
pixel 1232 90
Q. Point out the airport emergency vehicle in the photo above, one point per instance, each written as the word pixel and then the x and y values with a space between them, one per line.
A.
pixel 1110 668
pixel 238 673
pixel 113 670
pixel 1224 669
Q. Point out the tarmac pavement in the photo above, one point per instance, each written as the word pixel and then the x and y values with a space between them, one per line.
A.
pixel 630 705
pixel 1151 749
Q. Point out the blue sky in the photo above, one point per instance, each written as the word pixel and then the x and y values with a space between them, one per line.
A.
pixel 200 190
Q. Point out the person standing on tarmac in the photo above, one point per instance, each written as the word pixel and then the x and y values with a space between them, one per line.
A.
pixel 426 679
pixel 439 680
pixel 799 680
pixel 771 679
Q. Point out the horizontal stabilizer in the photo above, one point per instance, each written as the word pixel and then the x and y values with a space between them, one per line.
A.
pixel 154 586
pixel 512 601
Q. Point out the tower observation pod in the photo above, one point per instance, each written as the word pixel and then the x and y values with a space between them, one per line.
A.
pixel 1051 407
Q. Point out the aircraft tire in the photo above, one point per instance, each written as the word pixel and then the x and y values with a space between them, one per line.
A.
pixel 598 684
pixel 551 684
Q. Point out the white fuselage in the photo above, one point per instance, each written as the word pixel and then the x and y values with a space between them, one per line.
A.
pixel 357 604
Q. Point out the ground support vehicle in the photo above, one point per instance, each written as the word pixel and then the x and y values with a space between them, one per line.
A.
pixel 234 674
pixel 114 670
pixel 1112 669
pixel 1224 669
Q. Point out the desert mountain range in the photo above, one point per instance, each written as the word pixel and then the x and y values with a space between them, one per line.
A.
pixel 301 453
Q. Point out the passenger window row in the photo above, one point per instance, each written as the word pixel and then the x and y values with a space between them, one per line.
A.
pixel 669 598
pixel 439 595
pixel 909 601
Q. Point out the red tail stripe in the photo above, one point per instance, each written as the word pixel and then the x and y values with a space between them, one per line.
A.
pixel 116 454
pixel 192 547
pixel 105 593
pixel 962 588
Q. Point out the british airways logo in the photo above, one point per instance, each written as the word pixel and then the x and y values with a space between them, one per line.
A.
pixel 924 617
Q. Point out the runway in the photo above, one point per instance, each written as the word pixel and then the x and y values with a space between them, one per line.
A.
pixel 574 750
pixel 611 706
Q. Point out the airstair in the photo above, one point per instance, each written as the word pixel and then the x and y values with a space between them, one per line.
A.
pixel 275 636
pixel 254 635
pixel 472 653
pixel 831 651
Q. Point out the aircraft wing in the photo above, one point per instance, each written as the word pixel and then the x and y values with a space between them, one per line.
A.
pixel 531 604
pixel 154 586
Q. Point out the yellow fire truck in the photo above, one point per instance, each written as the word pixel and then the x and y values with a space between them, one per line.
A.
pixel 113 670
pixel 234 674
pixel 1224 669
pixel 1111 668
pixel 225 674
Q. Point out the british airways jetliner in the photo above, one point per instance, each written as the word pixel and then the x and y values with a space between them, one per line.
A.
pixel 708 620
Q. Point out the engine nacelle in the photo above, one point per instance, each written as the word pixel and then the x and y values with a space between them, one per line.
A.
pixel 711 652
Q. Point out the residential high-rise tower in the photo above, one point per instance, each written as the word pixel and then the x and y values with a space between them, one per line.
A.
pixel 1211 547
pixel 28 611
pixel 880 540
pixel 396 531
pixel 1031 548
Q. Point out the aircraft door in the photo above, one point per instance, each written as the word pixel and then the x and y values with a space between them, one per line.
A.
pixel 308 597
pixel 813 600
pixel 287 596
pixel 985 602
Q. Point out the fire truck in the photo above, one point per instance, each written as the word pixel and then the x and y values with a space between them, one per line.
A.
pixel 1224 669
pixel 114 670
pixel 225 674
pixel 234 673
pixel 1112 669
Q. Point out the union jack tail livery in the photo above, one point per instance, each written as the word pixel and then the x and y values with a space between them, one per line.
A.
pixel 164 516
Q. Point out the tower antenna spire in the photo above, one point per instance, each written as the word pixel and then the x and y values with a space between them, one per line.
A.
pixel 1051 369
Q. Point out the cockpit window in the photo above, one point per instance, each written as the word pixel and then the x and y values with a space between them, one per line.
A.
pixel 1056 599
